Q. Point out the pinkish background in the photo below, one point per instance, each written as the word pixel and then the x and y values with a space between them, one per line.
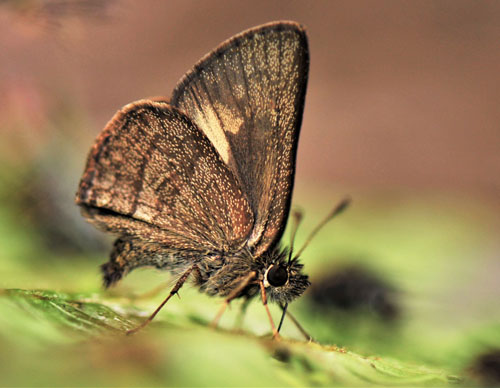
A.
pixel 402 94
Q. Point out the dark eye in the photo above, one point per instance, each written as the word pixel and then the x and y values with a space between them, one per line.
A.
pixel 277 276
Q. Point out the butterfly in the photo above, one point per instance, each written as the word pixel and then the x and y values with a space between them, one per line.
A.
pixel 201 185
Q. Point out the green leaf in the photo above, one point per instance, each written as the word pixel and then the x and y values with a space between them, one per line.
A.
pixel 81 341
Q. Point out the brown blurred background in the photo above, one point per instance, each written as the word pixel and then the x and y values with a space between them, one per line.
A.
pixel 402 94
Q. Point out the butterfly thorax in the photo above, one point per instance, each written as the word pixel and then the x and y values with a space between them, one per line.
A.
pixel 230 270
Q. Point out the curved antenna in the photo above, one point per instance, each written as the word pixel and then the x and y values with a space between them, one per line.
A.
pixel 297 218
pixel 336 211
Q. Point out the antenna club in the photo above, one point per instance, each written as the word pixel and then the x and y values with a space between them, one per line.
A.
pixel 342 206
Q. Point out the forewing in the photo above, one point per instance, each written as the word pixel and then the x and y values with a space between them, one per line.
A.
pixel 154 175
pixel 247 96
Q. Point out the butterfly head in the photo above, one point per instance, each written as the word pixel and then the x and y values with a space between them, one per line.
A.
pixel 282 278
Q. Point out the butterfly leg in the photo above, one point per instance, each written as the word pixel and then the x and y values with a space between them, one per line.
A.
pixel 276 335
pixel 234 294
pixel 174 290
pixel 306 335
pixel 243 310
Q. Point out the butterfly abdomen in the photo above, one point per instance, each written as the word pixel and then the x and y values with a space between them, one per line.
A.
pixel 129 253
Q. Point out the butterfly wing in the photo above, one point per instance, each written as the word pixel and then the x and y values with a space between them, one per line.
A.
pixel 154 175
pixel 247 96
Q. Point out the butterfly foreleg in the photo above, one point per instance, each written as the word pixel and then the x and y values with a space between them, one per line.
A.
pixel 276 335
pixel 173 291
pixel 234 294
pixel 243 310
pixel 303 331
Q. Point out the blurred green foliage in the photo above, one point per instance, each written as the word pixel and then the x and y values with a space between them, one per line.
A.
pixel 74 340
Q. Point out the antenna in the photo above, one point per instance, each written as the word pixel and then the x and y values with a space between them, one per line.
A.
pixel 336 211
pixel 297 218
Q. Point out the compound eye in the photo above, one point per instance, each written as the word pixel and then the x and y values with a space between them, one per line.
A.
pixel 277 276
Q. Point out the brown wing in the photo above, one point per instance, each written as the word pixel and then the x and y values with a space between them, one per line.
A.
pixel 247 96
pixel 154 175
